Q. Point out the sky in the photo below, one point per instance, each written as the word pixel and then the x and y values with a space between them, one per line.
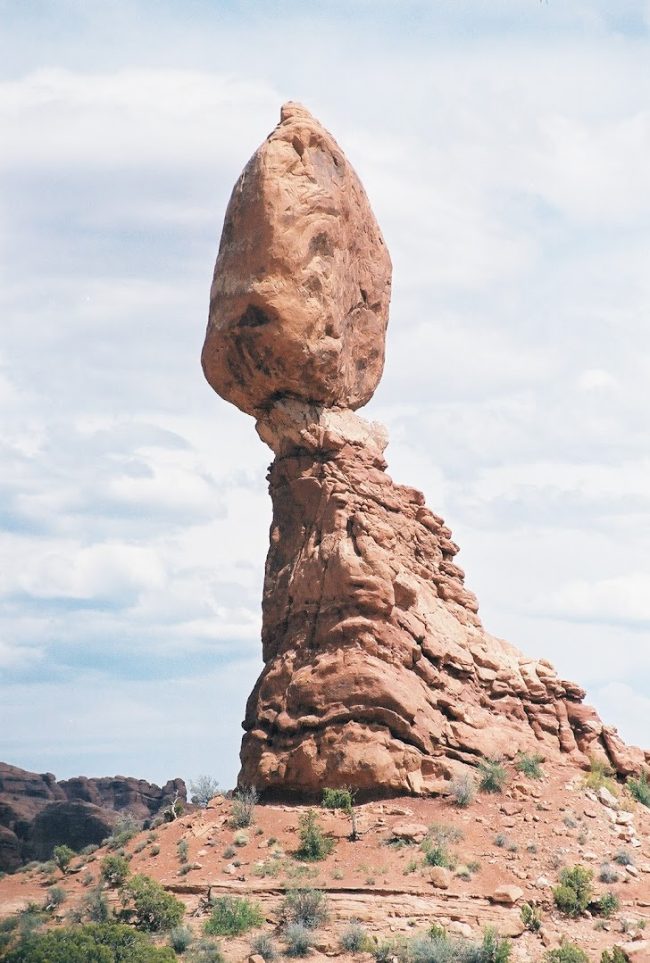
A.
pixel 504 147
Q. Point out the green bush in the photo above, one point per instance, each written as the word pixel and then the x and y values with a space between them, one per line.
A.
pixel 640 788
pixel 530 765
pixel 436 856
pixel 298 940
pixel 337 799
pixel 573 895
pixel 243 807
pixel 180 938
pixel 232 915
pixel 531 917
pixel 314 845
pixel 308 907
pixel 492 775
pixel 152 908
pixel 95 907
pixel 182 850
pixel 566 953
pixel 114 869
pixel 92 943
pixel 61 856
pixel 494 949
pixel 601 776
pixel 615 955
pixel 354 938
pixel 606 905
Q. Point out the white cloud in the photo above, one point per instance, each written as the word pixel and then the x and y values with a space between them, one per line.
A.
pixel 508 177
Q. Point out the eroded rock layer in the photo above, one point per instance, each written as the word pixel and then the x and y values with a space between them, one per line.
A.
pixel 378 673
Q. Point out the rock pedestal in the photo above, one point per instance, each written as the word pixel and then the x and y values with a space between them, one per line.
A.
pixel 378 674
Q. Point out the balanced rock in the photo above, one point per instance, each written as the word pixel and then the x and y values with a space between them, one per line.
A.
pixel 299 301
pixel 378 673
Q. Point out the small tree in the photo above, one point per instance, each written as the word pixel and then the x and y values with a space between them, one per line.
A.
pixel 573 895
pixel 314 845
pixel 115 869
pixel 62 856
pixel 203 789
pixel 153 908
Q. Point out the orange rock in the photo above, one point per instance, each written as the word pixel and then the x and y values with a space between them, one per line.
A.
pixel 299 301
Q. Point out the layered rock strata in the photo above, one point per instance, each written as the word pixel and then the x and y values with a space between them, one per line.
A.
pixel 378 673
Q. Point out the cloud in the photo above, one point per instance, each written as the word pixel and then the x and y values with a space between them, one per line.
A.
pixel 506 173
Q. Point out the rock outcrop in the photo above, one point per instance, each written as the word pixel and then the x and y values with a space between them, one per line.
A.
pixel 38 813
pixel 378 673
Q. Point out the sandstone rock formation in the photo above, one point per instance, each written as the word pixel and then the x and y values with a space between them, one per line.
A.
pixel 38 813
pixel 378 673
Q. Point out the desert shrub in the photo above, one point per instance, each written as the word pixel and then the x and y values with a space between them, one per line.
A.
pixel 243 807
pixel 573 895
pixel 624 858
pixel 114 869
pixel 89 849
pixel 600 776
pixel 62 855
pixel 241 838
pixel 494 948
pixel 154 851
pixel 354 938
pixel 95 907
pixel 152 908
pixel 640 788
pixel 126 827
pixel 298 940
pixel 337 799
pixel 55 896
pixel 264 946
pixel 607 874
pixel 314 845
pixel 501 840
pixel 463 790
pixel 492 775
pixel 606 905
pixel 203 789
pixel 91 943
pixel 566 953
pixel 531 917
pixel 615 955
pixel 436 856
pixel 308 907
pixel 205 951
pixel 180 937
pixel 530 765
pixel 182 850
pixel 229 852
pixel 233 915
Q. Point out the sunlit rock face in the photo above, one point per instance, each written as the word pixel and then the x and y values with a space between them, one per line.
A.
pixel 378 674
pixel 299 301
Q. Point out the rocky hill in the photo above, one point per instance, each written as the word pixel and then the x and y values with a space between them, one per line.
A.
pixel 38 813
pixel 415 862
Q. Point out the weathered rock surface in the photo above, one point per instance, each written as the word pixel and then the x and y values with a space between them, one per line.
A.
pixel 299 301
pixel 378 673
pixel 38 813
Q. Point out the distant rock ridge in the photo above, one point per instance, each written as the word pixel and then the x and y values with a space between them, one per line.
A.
pixel 378 673
pixel 37 812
